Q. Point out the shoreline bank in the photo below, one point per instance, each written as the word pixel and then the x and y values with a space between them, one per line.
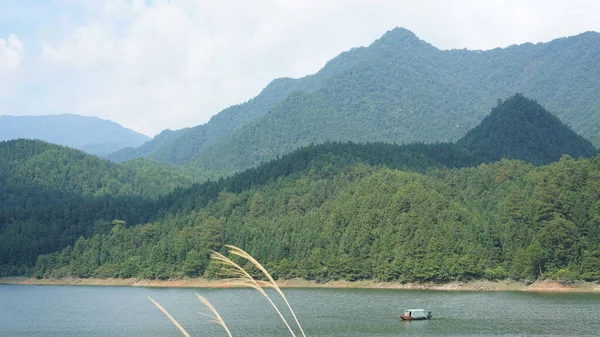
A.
pixel 539 286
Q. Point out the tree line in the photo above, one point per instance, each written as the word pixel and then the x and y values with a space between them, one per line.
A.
pixel 507 219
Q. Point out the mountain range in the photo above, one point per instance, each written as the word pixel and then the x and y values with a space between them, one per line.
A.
pixel 66 213
pixel 399 89
pixel 90 134
pixel 387 164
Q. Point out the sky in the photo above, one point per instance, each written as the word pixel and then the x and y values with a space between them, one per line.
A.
pixel 155 65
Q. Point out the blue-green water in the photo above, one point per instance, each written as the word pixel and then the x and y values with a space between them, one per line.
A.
pixel 48 311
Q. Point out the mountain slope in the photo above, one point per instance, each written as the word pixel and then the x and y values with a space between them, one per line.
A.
pixel 50 195
pixel 179 146
pixel 93 135
pixel 519 128
pixel 66 193
pixel 36 165
pixel 61 193
pixel 506 219
pixel 405 90
pixel 401 89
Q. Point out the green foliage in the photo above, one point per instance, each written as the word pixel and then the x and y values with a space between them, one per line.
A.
pixel 590 265
pixel 332 211
pixel 47 167
pixel 366 222
pixel 399 90
pixel 51 195
pixel 519 128
pixel 497 273
pixel 193 264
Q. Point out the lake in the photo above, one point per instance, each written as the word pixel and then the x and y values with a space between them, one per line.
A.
pixel 47 311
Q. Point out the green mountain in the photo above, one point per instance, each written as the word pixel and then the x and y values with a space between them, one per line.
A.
pixel 178 147
pixel 520 128
pixel 162 140
pixel 64 193
pixel 90 134
pixel 50 195
pixel 61 194
pixel 506 219
pixel 399 89
pixel 45 166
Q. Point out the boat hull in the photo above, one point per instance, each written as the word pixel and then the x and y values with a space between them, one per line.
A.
pixel 408 318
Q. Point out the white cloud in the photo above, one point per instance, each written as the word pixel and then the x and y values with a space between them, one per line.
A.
pixel 174 64
pixel 11 54
pixel 151 65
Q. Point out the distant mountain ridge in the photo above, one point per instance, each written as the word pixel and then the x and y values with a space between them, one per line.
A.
pixel 51 195
pixel 180 146
pixel 518 128
pixel 90 134
pixel 399 89
pixel 487 221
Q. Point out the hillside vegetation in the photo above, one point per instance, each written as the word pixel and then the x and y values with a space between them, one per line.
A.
pixel 520 128
pixel 418 212
pixel 507 219
pixel 50 195
pixel 400 90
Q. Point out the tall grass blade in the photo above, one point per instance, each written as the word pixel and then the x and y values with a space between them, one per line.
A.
pixel 247 280
pixel 185 333
pixel 243 254
pixel 217 318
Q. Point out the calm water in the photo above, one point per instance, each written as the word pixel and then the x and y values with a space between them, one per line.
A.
pixel 126 311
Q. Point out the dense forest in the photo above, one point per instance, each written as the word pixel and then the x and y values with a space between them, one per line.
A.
pixel 417 212
pixel 520 128
pixel 517 128
pixel 399 89
pixel 50 195
pixel 47 207
pixel 507 219
pixel 52 167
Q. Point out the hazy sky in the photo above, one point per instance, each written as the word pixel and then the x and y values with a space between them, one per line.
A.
pixel 153 65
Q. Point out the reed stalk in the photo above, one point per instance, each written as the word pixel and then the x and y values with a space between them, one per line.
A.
pixel 185 333
pixel 272 284
pixel 241 278
pixel 217 317
pixel 245 279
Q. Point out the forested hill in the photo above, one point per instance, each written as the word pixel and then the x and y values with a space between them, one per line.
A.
pixel 399 89
pixel 500 220
pixel 50 195
pixel 520 128
pixel 36 166
pixel 179 146
pixel 90 134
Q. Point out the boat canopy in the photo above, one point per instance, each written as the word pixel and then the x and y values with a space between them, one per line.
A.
pixel 418 313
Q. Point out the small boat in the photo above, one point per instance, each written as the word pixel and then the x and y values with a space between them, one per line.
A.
pixel 415 314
